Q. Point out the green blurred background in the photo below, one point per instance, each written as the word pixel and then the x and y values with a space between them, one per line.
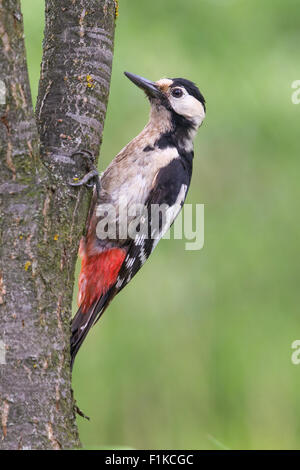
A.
pixel 196 352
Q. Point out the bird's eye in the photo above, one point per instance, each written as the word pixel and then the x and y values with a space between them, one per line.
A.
pixel 177 92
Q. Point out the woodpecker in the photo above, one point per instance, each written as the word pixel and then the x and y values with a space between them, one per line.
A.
pixel 153 170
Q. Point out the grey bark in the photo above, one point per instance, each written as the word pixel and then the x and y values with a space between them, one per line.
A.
pixel 41 216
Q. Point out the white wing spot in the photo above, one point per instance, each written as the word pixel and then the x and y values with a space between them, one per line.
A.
pixel 119 282
pixel 129 262
pixel 142 255
pixel 139 240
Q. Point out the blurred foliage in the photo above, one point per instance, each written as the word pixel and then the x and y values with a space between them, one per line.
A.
pixel 196 352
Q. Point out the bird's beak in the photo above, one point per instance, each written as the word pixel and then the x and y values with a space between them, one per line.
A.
pixel 149 87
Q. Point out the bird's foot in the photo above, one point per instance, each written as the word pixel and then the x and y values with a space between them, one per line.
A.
pixel 92 175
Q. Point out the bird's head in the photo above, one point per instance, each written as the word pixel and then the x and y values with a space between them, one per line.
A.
pixel 179 96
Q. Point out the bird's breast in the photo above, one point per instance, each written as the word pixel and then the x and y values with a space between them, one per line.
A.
pixel 132 177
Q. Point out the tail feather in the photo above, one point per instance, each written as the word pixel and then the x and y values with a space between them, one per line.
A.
pixel 83 321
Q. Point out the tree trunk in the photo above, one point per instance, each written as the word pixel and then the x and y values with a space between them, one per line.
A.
pixel 42 217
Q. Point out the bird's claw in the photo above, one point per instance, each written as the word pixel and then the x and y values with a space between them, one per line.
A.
pixel 92 174
pixel 88 177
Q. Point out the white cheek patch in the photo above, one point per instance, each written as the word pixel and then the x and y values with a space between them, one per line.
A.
pixel 189 107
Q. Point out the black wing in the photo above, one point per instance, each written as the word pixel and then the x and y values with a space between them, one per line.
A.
pixel 161 209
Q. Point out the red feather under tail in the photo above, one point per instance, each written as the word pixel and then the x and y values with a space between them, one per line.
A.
pixel 97 277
